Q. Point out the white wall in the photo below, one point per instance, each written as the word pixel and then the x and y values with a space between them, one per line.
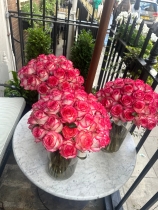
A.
pixel 6 54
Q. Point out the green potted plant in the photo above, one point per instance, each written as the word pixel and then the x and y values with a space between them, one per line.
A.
pixel 38 42
pixel 81 52
pixel 13 89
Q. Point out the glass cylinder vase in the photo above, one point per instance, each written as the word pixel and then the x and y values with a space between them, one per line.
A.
pixel 117 135
pixel 59 167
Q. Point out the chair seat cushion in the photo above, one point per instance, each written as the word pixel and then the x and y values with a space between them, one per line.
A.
pixel 10 113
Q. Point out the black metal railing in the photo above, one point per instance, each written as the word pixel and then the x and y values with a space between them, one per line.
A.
pixel 58 27
pixel 113 62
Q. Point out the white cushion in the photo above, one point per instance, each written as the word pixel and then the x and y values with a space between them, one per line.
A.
pixel 10 113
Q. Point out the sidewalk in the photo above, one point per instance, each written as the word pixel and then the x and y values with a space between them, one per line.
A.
pixel 149 185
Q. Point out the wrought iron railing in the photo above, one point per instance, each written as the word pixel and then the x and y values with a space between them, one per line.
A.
pixel 113 63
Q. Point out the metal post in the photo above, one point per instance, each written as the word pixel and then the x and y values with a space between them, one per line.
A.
pixel 107 9
pixel 151 202
pixel 153 55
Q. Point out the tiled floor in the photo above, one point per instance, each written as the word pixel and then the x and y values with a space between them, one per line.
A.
pixel 18 193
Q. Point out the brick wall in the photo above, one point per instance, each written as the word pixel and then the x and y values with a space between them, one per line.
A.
pixel 12 6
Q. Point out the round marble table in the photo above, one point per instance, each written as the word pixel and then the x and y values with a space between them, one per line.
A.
pixel 99 175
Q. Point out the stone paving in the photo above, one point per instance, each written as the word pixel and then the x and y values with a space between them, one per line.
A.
pixel 18 193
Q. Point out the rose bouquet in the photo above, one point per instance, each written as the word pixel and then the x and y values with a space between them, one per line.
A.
pixel 130 100
pixel 73 121
pixel 65 119
pixel 48 73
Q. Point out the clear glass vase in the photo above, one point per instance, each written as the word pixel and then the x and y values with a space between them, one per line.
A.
pixel 59 167
pixel 117 135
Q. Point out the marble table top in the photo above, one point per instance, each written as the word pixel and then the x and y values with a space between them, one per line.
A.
pixel 97 176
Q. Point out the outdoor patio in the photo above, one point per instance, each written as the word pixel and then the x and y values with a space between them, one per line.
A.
pixel 18 193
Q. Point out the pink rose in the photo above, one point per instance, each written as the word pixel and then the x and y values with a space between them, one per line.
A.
pixel 52 107
pixel 64 86
pixel 82 108
pixel 116 110
pixel 38 133
pixel 148 97
pixel 51 57
pixel 81 95
pixel 107 91
pixel 128 114
pixel 139 85
pixel 103 123
pixel 50 66
pixel 148 88
pixel 76 86
pixel 39 116
pixel 21 72
pixel 100 140
pixel 39 105
pixel 91 97
pixel 85 122
pixel 52 81
pixel 43 58
pixel 68 99
pixel 68 149
pixel 116 94
pixel 24 83
pixel 56 95
pixel 151 123
pixel 29 70
pixel 95 106
pixel 127 89
pixel 43 88
pixel 69 133
pixel 53 123
pixel 45 97
pixel 31 120
pixel 107 103
pixel 80 80
pixel 39 66
pixel 76 71
pixel 118 83
pixel 138 94
pixel 60 74
pixel 126 100
pixel 138 106
pixel 141 120
pixel 33 82
pixel 152 109
pixel 109 84
pixel 129 81
pixel 68 113
pixel 71 75
pixel 52 141
pixel 84 140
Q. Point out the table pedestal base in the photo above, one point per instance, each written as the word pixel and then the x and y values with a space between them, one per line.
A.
pixel 55 203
